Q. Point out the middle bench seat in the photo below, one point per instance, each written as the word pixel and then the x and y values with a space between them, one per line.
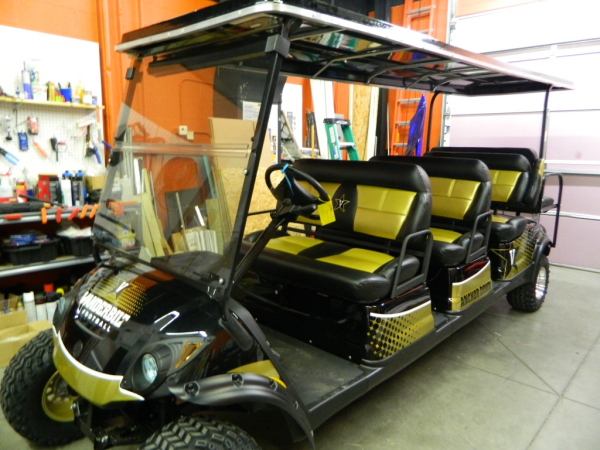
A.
pixel 461 196
pixel 510 175
pixel 358 257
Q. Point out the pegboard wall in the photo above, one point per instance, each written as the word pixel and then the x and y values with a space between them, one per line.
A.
pixel 60 60
pixel 53 121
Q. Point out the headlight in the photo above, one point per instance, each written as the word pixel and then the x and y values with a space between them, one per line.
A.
pixel 149 368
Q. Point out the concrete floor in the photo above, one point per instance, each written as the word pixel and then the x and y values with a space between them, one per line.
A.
pixel 508 380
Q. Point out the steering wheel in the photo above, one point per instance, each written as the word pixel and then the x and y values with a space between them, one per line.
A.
pixel 290 188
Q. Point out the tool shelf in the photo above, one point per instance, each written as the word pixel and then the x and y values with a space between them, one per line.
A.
pixel 50 104
pixel 10 270
pixel 34 217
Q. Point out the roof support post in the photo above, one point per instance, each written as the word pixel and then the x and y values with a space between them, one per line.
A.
pixel 545 121
pixel 383 10
pixel 276 47
pixel 429 120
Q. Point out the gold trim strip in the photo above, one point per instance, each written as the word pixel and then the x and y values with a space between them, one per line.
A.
pixel 472 289
pixel 99 388
pixel 401 314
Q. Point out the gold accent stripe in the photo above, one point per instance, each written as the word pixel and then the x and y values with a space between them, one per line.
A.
pixel 500 219
pixel 359 259
pixel 381 211
pixel 330 188
pixel 264 368
pixel 292 244
pixel 99 388
pixel 452 198
pixel 440 234
pixel 503 184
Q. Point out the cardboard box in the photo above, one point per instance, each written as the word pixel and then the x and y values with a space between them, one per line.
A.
pixel 10 304
pixel 94 182
pixel 12 339
pixel 13 319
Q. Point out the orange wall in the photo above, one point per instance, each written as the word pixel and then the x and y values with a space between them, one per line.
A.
pixel 467 7
pixel 440 29
pixel 116 17
pixel 70 18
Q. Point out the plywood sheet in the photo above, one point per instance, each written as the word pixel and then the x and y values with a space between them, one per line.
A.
pixel 361 103
pixel 241 131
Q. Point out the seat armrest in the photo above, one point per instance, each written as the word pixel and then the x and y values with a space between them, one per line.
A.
pixel 487 218
pixel 420 278
pixel 555 205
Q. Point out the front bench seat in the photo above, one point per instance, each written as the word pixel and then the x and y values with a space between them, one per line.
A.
pixel 374 204
pixel 355 274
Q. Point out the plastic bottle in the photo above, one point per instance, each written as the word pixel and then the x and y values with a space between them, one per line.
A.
pixel 26 77
pixel 40 307
pixel 78 188
pixel 29 304
pixel 21 189
pixel 66 188
pixel 51 298
pixel 78 97
pixel 51 92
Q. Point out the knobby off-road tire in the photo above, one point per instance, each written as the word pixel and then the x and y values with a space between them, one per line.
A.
pixel 31 387
pixel 200 433
pixel 530 296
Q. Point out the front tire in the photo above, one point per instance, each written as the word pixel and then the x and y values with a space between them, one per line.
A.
pixel 35 399
pixel 200 433
pixel 530 296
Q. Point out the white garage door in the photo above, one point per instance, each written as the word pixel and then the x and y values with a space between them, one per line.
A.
pixel 556 38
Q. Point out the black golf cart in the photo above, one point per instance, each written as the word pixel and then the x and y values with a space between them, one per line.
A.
pixel 196 307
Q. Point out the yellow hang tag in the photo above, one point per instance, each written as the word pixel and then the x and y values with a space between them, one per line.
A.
pixel 326 213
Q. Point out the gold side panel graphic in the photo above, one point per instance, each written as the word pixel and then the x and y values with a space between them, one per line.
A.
pixel 388 335
pixel 471 290
pixel 524 246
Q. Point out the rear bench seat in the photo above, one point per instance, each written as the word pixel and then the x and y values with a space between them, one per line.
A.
pixel 378 208
pixel 532 201
pixel 510 174
pixel 461 192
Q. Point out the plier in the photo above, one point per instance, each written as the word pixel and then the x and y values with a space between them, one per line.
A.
pixel 9 157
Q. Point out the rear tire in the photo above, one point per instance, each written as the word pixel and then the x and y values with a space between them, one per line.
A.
pixel 200 433
pixel 530 296
pixel 35 399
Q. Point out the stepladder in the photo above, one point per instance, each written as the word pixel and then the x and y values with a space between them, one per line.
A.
pixel 340 149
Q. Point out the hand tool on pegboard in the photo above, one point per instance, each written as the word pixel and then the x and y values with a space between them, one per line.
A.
pixel 9 157
pixel 54 144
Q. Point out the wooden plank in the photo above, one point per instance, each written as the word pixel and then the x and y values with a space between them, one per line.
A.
pixel 361 104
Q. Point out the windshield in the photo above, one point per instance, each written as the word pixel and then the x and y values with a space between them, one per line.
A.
pixel 176 177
